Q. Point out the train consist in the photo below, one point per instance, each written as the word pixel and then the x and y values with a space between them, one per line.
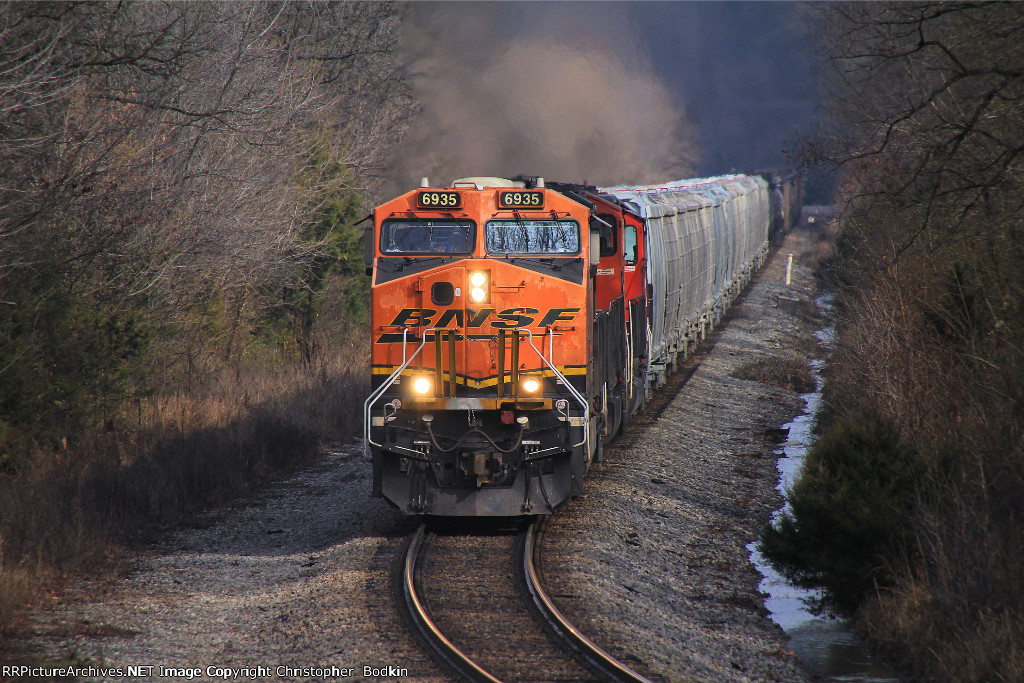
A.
pixel 517 325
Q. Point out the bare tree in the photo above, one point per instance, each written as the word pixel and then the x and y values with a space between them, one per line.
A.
pixel 928 105
pixel 165 159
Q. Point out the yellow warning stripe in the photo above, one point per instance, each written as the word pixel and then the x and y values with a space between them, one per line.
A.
pixel 474 383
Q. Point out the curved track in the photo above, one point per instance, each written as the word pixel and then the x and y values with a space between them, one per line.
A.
pixel 595 657
pixel 450 656
pixel 487 617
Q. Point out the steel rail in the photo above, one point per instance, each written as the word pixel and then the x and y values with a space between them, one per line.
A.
pixel 450 655
pixel 609 667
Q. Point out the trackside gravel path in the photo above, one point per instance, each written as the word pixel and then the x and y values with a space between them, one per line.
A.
pixel 666 578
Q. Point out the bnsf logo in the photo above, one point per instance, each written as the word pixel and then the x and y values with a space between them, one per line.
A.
pixel 508 319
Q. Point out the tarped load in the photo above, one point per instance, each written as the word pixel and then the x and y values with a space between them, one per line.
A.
pixel 705 237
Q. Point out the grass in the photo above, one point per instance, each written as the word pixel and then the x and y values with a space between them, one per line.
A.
pixel 168 458
pixel 791 372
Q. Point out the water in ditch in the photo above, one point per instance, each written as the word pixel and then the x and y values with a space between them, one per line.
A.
pixel 827 647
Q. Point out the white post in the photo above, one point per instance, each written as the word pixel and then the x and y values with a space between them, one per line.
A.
pixel 789 268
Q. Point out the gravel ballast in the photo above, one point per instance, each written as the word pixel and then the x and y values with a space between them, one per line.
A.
pixel 651 563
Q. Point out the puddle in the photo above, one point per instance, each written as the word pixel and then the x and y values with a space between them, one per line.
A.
pixel 827 647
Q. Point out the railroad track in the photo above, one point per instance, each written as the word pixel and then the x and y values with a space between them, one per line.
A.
pixel 485 615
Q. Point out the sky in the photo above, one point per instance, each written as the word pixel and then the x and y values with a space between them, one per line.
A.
pixel 606 93
pixel 745 71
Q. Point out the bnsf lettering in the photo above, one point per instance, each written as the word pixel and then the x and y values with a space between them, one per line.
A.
pixel 456 314
pixel 414 317
pixel 477 319
pixel 508 319
pixel 558 314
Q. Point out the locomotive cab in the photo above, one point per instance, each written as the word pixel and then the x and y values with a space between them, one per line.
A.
pixel 481 349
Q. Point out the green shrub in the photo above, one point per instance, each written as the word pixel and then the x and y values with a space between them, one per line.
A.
pixel 847 522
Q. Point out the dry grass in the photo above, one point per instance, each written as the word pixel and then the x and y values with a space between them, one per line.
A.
pixel 808 347
pixel 933 345
pixel 792 373
pixel 950 619
pixel 167 458
pixel 822 247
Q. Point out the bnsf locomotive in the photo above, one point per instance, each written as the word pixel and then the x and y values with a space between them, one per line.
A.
pixel 516 326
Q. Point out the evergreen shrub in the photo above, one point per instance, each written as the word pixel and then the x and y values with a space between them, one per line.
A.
pixel 848 514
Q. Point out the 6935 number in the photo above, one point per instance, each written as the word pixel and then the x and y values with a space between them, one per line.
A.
pixel 439 200
pixel 518 199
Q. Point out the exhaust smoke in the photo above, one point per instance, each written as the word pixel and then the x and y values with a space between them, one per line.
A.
pixel 538 89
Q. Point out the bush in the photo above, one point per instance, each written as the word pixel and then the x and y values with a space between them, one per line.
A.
pixel 848 514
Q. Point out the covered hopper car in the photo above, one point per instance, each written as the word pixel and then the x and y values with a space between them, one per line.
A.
pixel 517 325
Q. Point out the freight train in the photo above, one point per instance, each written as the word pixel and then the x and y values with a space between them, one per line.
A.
pixel 517 325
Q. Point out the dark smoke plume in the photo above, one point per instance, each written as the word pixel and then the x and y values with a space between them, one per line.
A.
pixel 540 89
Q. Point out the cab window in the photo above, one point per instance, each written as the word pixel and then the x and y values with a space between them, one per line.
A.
pixel 427 237
pixel 532 237
pixel 607 227
pixel 629 244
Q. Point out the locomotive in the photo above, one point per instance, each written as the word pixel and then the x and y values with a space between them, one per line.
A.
pixel 517 325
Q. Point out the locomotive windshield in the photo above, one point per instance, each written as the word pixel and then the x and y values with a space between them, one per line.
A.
pixel 427 237
pixel 532 237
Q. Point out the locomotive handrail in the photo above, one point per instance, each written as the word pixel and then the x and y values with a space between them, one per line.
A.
pixel 379 391
pixel 572 390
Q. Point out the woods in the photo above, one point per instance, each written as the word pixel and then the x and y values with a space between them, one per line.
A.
pixel 176 181
pixel 181 276
pixel 927 139
pixel 179 189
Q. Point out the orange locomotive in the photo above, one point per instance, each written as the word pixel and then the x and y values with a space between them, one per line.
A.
pixel 481 360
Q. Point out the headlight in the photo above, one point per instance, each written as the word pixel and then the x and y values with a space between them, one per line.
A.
pixel 531 385
pixel 478 281
pixel 421 385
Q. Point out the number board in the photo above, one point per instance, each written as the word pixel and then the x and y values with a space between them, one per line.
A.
pixel 439 199
pixel 520 199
